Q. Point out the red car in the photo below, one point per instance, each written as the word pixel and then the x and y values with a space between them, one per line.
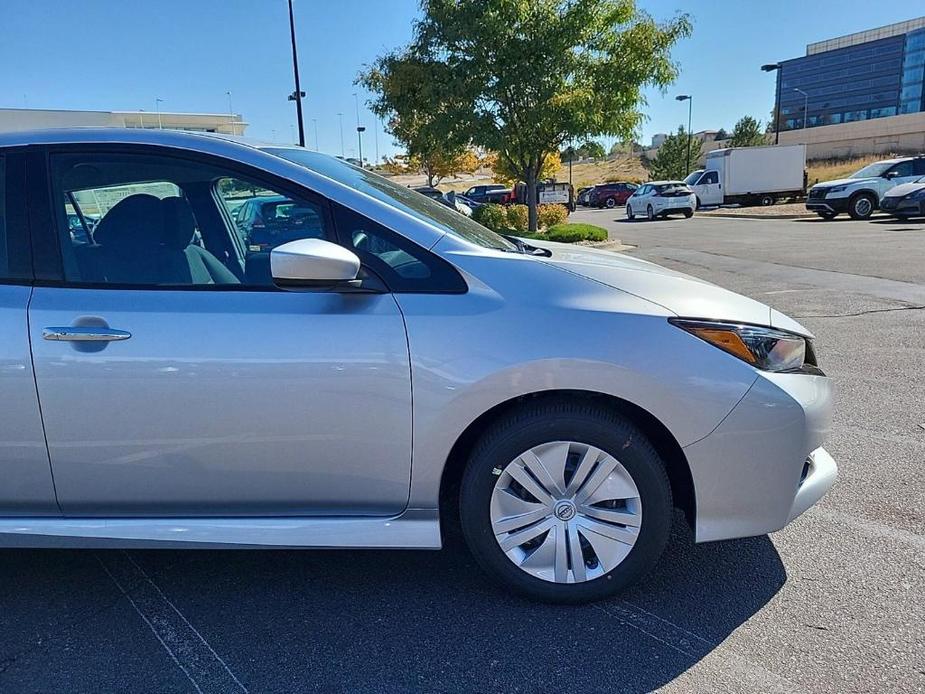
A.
pixel 611 194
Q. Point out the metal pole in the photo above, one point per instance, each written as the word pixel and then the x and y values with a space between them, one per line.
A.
pixel 141 116
pixel 777 111
pixel 231 114
pixel 340 117
pixel 376 138
pixel 295 71
pixel 805 106
pixel 157 105
pixel 315 123
pixel 356 100
pixel 690 135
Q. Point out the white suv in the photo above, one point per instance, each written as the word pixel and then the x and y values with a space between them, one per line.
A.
pixel 660 199
pixel 860 194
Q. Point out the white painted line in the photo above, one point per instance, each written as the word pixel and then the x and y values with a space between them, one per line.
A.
pixel 204 668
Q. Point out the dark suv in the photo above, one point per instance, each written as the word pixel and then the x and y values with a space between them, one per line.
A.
pixel 611 194
pixel 491 192
pixel 269 221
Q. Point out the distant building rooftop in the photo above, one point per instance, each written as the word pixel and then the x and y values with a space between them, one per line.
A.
pixel 13 119
pixel 864 36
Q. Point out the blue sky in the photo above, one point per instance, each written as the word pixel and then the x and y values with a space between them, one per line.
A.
pixel 118 54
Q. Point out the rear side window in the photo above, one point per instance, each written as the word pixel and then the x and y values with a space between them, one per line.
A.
pixel 15 261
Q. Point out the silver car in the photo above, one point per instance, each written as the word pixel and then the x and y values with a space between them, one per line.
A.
pixel 377 366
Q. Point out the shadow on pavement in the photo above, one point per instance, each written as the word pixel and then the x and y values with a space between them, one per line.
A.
pixel 384 620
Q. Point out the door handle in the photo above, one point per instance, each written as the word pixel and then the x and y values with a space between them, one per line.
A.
pixel 84 333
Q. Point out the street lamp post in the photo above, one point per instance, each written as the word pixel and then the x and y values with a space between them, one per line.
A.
pixel 298 94
pixel 775 67
pixel 231 114
pixel 805 106
pixel 315 123
pixel 340 117
pixel 690 101
pixel 360 129
pixel 157 105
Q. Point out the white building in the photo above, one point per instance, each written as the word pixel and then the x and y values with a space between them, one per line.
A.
pixel 13 119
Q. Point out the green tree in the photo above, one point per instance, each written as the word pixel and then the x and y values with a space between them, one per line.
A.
pixel 592 149
pixel 721 134
pixel 524 77
pixel 670 162
pixel 748 133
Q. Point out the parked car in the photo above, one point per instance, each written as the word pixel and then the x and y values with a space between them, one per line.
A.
pixel 859 195
pixel 611 194
pixel 905 200
pixel 660 199
pixel 750 175
pixel 344 393
pixel 450 199
pixel 269 221
pixel 481 193
pixel 583 197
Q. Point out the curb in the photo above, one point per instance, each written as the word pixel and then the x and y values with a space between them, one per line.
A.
pixel 758 216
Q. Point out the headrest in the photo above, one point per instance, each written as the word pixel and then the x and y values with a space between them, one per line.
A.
pixel 133 221
pixel 179 223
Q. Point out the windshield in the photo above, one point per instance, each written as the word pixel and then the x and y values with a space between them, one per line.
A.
pixel 873 170
pixel 692 178
pixel 405 199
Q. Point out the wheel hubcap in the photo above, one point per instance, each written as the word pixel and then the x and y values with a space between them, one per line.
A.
pixel 566 512
pixel 862 206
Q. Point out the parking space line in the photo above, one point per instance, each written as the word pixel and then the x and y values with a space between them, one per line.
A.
pixel 204 668
pixel 704 653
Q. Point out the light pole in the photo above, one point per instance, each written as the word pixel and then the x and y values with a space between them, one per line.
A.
pixel 340 117
pixel 157 105
pixel 690 101
pixel 360 129
pixel 775 67
pixel 805 106
pixel 298 94
pixel 231 114
pixel 315 123
pixel 376 138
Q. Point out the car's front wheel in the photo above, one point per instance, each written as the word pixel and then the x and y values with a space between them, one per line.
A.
pixel 611 203
pixel 862 206
pixel 827 215
pixel 629 212
pixel 565 501
pixel 650 213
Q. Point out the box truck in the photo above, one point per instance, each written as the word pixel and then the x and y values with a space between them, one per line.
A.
pixel 750 175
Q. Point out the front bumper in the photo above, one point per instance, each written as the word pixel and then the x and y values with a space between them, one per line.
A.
pixel 902 207
pixel 763 465
pixel 835 205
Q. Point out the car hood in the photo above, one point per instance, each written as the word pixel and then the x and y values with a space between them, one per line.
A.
pixel 683 295
pixel 843 182
pixel 904 189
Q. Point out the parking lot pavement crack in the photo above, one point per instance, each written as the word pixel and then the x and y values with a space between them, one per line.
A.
pixel 191 653
pixel 861 313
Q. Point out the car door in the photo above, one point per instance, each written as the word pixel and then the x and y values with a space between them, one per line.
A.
pixel 709 189
pixel 176 380
pixel 26 487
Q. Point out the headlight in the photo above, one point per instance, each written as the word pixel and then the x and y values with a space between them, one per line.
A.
pixel 764 348
pixel 917 195
pixel 837 189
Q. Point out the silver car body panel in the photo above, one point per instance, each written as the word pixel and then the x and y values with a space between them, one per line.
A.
pixel 581 320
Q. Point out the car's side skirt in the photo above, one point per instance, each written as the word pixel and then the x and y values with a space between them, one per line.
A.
pixel 413 529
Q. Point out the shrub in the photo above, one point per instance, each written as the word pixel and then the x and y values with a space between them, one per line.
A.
pixel 570 233
pixel 492 216
pixel 551 215
pixel 517 217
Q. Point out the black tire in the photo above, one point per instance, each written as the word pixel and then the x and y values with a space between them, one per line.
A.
pixel 611 203
pixel 650 213
pixel 688 213
pixel 862 206
pixel 697 203
pixel 552 420
pixel 828 216
pixel 629 212
pixel 766 200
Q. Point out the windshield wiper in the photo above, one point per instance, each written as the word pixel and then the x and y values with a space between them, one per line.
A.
pixel 527 249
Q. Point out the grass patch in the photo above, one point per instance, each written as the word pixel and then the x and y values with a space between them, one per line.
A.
pixel 571 233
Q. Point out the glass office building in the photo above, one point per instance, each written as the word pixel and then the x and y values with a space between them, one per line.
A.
pixel 872 74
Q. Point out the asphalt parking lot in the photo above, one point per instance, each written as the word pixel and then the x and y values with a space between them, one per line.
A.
pixel 833 603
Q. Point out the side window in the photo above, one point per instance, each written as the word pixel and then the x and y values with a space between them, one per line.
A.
pixel 709 177
pixel 403 265
pixel 918 166
pixel 147 220
pixel 903 168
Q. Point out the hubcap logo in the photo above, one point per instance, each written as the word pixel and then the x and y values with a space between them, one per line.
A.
pixel 565 510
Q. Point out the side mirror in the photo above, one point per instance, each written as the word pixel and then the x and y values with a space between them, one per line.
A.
pixel 891 174
pixel 314 263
